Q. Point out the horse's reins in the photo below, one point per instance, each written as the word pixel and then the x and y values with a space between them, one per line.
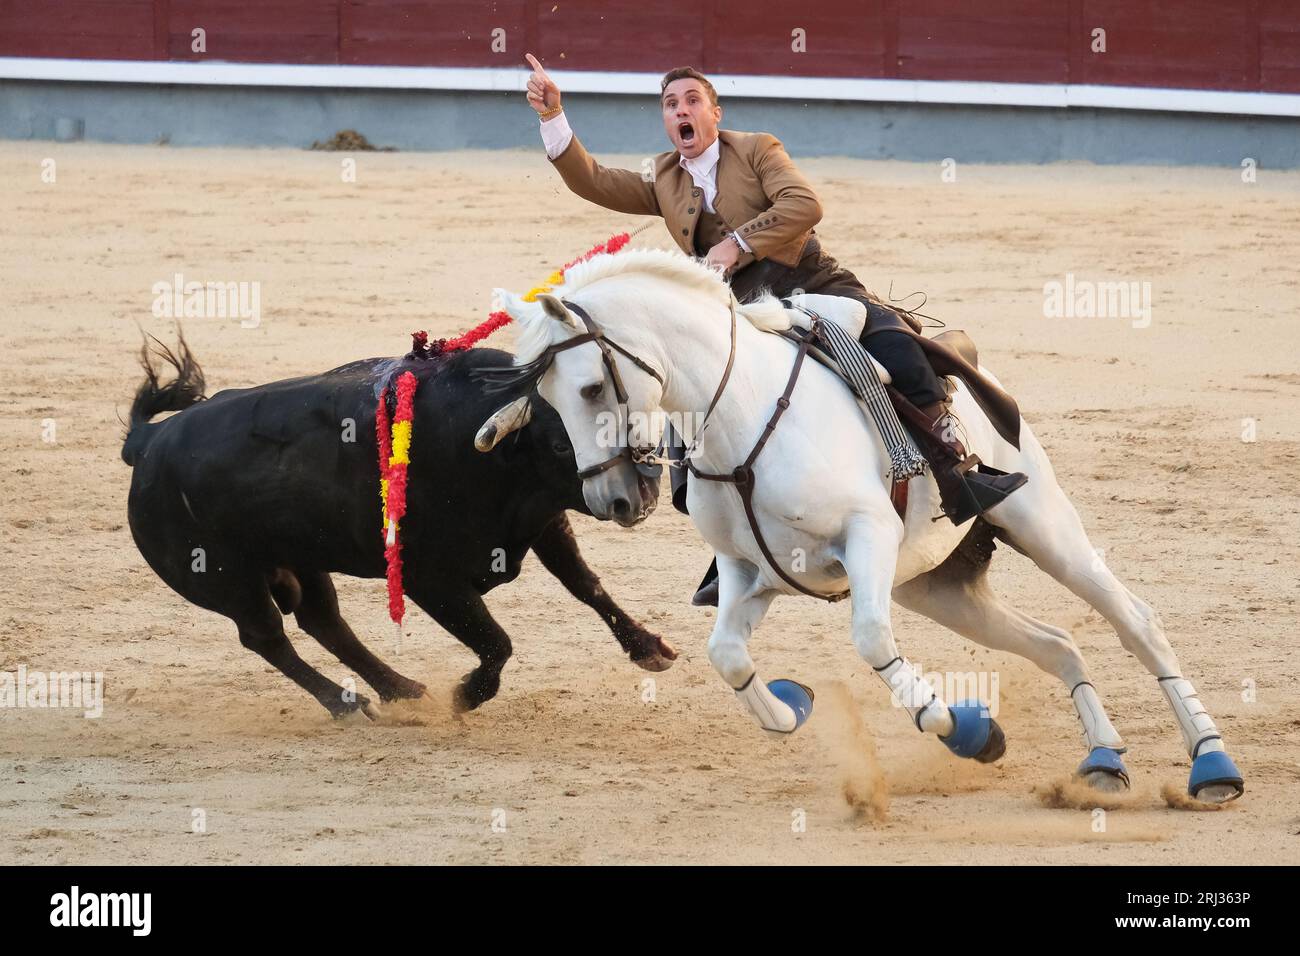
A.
pixel 742 476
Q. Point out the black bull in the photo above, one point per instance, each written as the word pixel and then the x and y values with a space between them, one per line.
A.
pixel 244 503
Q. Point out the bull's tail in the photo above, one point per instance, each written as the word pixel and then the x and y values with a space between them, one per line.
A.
pixel 153 398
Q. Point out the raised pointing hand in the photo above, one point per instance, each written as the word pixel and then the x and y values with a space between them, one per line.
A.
pixel 543 94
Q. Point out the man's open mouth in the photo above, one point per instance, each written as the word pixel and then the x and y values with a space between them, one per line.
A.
pixel 686 132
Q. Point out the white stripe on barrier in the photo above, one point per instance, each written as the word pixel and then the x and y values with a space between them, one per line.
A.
pixel 513 79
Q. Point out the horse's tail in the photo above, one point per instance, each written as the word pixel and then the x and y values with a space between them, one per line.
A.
pixel 152 398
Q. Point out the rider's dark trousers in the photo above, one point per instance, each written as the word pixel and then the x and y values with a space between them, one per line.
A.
pixel 818 272
pixel 906 364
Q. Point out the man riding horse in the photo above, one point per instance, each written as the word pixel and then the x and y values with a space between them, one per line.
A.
pixel 736 200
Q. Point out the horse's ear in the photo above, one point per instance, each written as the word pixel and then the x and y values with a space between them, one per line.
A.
pixel 553 307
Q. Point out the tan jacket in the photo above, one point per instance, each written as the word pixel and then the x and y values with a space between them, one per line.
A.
pixel 761 195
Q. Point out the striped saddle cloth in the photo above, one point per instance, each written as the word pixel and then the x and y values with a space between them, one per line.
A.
pixel 841 352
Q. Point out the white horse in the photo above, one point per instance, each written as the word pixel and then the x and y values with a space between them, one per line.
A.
pixel 822 501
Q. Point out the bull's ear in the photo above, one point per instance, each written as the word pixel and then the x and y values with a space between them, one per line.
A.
pixel 553 307
pixel 506 419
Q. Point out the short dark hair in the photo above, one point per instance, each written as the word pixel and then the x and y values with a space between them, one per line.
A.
pixel 684 72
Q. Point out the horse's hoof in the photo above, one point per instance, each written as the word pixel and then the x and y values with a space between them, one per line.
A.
pixel 1104 782
pixel 1215 778
pixel 974 733
pixel 795 696
pixel 369 709
pixel 1103 770
pixel 996 745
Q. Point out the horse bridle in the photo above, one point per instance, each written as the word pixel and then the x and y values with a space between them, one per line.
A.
pixel 596 334
pixel 637 457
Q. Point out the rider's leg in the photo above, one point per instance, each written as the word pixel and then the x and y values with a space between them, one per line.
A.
pixel 963 491
pixel 907 365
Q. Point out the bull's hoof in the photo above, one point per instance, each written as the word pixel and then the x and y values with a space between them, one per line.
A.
pixel 656 654
pixel 358 704
pixel 975 735
pixel 1103 770
pixel 404 690
pixel 1215 778
pixel 477 689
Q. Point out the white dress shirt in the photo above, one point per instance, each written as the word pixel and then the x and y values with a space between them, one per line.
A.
pixel 556 135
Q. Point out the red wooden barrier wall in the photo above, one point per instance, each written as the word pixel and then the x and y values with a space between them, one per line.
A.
pixel 1199 44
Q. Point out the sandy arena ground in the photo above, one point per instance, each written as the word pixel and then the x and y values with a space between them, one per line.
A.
pixel 1144 426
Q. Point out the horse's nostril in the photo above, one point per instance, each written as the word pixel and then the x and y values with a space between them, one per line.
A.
pixel 622 507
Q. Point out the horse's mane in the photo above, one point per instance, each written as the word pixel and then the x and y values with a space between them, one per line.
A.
pixel 537 332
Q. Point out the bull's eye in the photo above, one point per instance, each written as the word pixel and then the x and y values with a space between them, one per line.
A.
pixel 593 391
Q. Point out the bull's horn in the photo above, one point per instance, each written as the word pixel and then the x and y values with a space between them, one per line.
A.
pixel 506 419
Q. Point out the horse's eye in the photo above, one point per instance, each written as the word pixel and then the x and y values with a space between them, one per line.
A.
pixel 561 448
pixel 593 391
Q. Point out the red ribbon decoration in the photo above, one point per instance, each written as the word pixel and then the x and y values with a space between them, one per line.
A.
pixel 394 473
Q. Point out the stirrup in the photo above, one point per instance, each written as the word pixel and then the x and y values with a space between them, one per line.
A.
pixel 706 595
pixel 982 487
